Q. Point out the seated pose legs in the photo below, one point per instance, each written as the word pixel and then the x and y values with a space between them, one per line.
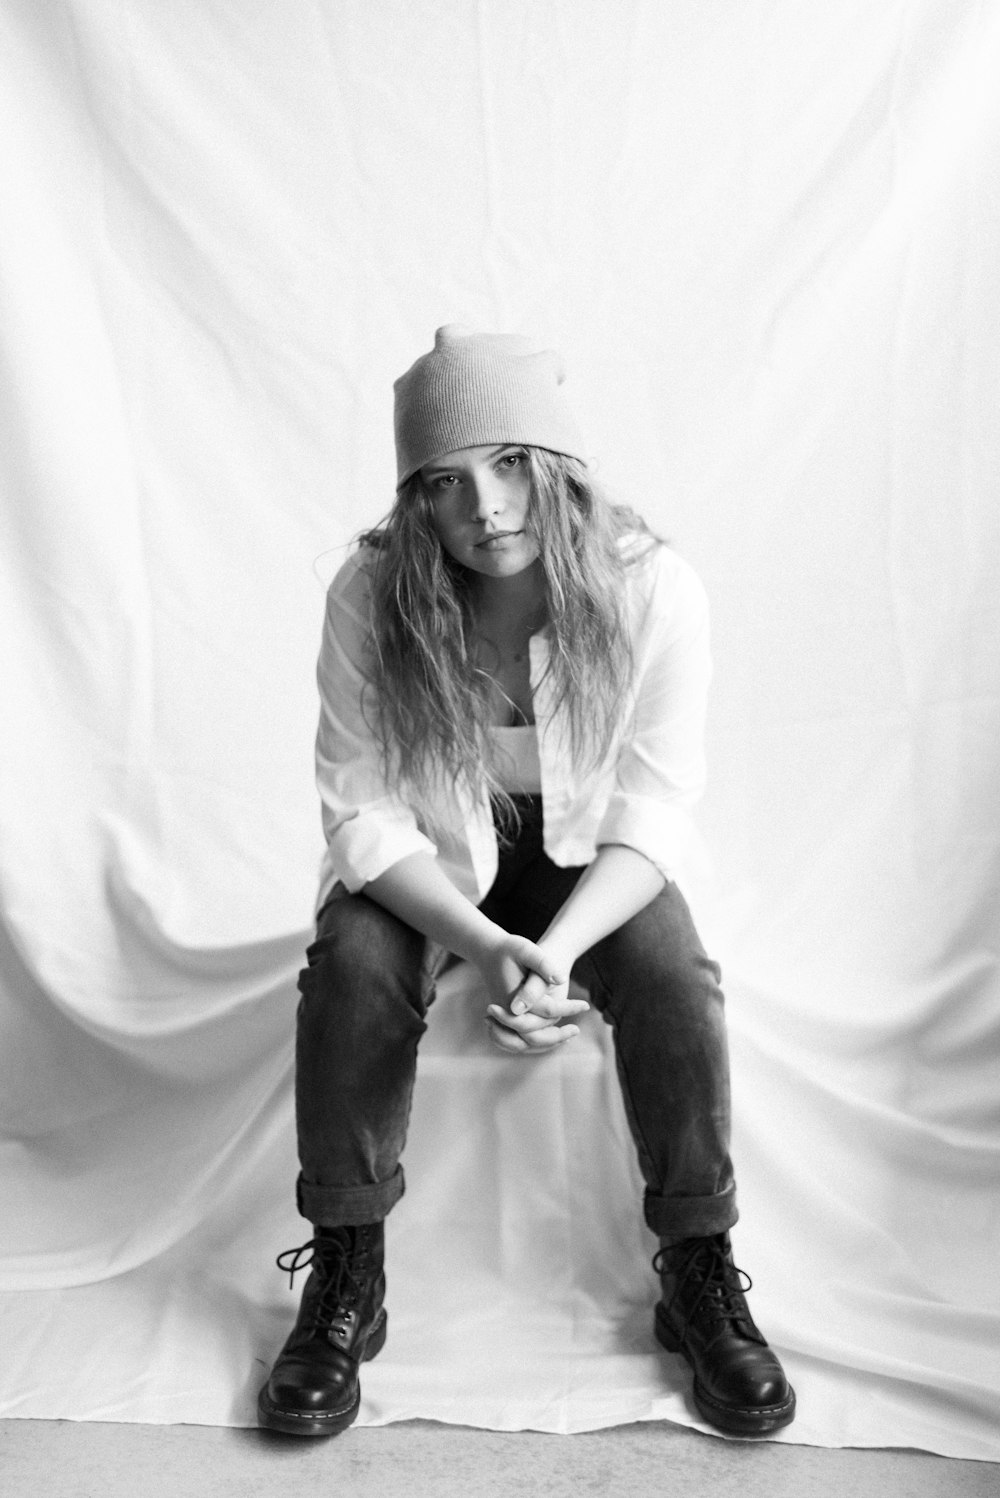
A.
pixel 512 680
pixel 364 996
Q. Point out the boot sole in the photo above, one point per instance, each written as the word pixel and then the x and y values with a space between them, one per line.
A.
pixel 321 1422
pixel 757 1420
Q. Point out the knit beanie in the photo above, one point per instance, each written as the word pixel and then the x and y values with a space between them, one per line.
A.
pixel 474 388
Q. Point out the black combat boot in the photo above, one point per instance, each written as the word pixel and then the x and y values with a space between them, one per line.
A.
pixel 313 1389
pixel 739 1385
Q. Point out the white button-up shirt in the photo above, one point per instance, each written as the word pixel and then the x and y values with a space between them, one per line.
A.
pixel 641 794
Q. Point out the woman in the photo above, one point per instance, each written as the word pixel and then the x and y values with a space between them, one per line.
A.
pixel 513 679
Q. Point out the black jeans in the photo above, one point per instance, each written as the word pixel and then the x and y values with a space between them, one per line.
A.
pixel 365 994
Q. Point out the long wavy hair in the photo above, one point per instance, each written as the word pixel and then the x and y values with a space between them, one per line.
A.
pixel 431 696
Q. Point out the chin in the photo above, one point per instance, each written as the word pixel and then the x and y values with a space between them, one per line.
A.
pixel 503 566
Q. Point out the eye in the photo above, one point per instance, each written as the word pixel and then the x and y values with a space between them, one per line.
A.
pixel 442 481
pixel 510 461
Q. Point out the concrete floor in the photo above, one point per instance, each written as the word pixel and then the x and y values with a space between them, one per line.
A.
pixel 64 1459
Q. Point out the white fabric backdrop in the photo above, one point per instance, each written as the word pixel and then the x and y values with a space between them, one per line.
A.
pixel 765 238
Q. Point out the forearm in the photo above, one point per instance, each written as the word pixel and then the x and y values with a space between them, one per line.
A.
pixel 616 886
pixel 418 891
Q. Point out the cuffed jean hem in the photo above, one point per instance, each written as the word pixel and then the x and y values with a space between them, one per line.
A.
pixel 678 1217
pixel 349 1206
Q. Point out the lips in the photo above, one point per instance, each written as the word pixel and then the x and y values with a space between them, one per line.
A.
pixel 491 540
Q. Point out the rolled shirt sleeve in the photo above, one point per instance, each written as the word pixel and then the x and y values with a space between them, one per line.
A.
pixel 660 768
pixel 367 827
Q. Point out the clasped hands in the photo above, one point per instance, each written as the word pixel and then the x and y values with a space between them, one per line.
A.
pixel 528 983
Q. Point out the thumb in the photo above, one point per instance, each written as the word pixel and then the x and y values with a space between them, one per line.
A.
pixel 532 989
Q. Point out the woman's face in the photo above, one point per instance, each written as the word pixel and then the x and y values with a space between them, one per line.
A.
pixel 479 499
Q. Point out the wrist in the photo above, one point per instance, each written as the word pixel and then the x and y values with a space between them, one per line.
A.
pixel 560 947
pixel 485 942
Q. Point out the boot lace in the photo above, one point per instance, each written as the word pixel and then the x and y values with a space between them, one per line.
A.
pixel 342 1270
pixel 709 1288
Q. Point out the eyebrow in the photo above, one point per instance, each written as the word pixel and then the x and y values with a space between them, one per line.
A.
pixel 430 469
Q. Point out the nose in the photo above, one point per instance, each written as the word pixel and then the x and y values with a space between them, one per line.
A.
pixel 485 496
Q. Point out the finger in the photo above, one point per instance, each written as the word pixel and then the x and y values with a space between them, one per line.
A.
pixel 529 1028
pixel 520 1023
pixel 536 993
pixel 544 1011
pixel 532 990
pixel 528 956
pixel 551 1036
pixel 505 1040
pixel 536 1043
pixel 556 1006
pixel 523 1024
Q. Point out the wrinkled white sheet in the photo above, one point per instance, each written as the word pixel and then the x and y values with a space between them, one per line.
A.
pixel 765 238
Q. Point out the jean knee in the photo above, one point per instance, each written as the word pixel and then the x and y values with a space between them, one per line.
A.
pixel 657 969
pixel 686 996
pixel 364 955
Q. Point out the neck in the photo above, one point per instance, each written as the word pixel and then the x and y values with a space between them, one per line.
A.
pixel 518 599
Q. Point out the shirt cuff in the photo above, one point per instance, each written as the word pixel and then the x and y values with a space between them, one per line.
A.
pixel 659 831
pixel 363 846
